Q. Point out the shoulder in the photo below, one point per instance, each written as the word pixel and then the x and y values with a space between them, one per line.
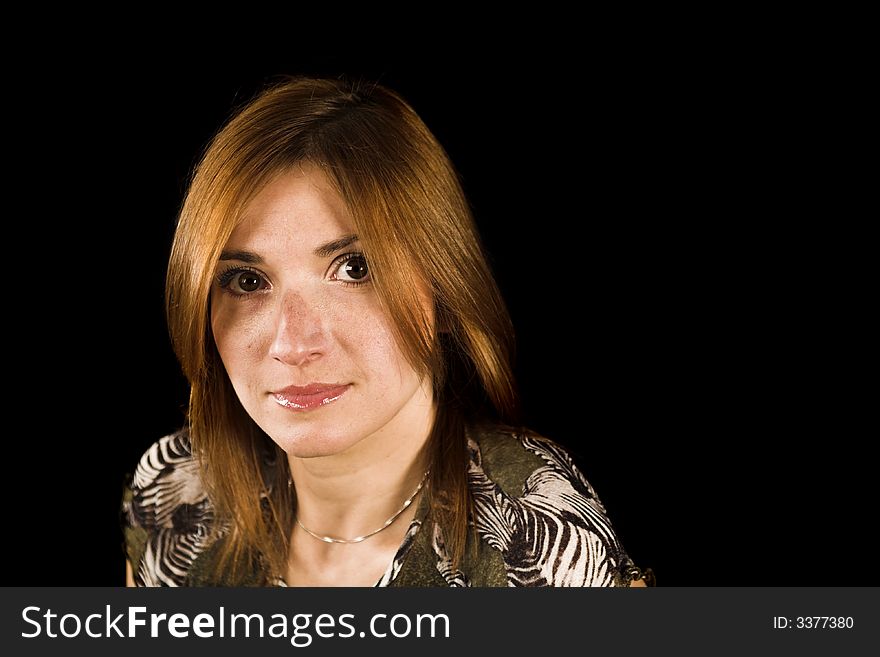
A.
pixel 166 478
pixel 519 460
pixel 535 507
pixel 166 513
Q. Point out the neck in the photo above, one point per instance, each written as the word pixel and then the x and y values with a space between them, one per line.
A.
pixel 354 492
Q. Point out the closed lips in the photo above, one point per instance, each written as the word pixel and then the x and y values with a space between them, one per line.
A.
pixel 310 396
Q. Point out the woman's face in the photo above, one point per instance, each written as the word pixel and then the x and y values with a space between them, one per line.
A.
pixel 299 327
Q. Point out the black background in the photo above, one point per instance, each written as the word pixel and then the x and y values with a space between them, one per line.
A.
pixel 670 300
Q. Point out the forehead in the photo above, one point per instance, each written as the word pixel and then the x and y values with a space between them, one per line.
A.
pixel 296 209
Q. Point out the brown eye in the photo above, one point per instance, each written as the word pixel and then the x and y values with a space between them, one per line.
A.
pixel 249 282
pixel 355 268
pixel 350 269
pixel 241 282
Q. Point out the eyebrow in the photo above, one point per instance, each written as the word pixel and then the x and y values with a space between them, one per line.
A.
pixel 324 251
pixel 245 256
pixel 331 247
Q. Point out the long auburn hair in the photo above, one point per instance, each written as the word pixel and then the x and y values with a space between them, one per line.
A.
pixel 414 224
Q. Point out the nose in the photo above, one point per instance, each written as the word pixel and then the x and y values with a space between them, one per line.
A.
pixel 299 332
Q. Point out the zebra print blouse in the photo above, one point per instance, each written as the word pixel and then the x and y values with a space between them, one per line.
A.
pixel 539 521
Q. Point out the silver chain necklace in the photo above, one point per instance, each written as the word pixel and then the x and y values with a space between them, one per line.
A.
pixel 330 539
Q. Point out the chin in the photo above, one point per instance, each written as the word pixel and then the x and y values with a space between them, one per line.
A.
pixel 310 445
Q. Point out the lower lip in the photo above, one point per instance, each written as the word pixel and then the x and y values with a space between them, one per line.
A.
pixel 301 403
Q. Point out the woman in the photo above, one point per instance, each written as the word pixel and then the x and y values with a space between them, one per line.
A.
pixel 348 353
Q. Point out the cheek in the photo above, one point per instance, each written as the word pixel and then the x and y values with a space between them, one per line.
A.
pixel 360 340
pixel 372 339
pixel 237 334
